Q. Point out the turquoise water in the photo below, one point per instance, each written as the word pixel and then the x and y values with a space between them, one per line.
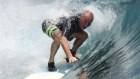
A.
pixel 113 53
pixel 112 50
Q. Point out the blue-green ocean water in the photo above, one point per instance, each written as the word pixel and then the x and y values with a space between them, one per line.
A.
pixel 114 53
pixel 112 50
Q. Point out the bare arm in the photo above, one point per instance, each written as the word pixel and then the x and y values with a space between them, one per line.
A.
pixel 64 42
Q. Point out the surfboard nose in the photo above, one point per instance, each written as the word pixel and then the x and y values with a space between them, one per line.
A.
pixel 45 75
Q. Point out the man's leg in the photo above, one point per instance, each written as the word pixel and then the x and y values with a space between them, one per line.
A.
pixel 80 38
pixel 54 47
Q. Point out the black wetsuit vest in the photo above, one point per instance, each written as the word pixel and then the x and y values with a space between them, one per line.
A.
pixel 68 26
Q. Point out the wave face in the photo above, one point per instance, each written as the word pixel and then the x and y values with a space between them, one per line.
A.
pixel 112 53
pixel 112 50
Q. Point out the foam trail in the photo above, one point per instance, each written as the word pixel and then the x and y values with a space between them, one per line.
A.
pixel 24 48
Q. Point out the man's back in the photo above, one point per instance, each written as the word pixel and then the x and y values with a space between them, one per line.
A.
pixel 68 26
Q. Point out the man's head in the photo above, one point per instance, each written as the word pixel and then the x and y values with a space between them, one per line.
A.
pixel 86 19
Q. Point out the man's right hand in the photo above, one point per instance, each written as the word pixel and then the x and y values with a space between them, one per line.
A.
pixel 72 59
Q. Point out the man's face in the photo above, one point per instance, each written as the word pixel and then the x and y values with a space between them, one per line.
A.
pixel 85 20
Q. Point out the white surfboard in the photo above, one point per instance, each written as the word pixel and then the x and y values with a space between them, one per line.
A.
pixel 62 67
pixel 45 75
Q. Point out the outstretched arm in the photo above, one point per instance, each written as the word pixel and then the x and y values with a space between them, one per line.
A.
pixel 65 45
pixel 64 42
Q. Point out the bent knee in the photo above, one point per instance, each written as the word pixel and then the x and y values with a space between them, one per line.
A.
pixel 81 35
pixel 57 34
pixel 85 34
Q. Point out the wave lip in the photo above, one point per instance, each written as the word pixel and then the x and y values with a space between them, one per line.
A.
pixel 113 53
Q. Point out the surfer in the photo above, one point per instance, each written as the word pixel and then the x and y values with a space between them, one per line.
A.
pixel 65 30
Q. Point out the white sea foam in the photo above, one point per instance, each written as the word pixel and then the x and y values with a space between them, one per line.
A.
pixel 24 48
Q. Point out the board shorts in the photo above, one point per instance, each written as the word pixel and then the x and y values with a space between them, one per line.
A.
pixel 48 27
